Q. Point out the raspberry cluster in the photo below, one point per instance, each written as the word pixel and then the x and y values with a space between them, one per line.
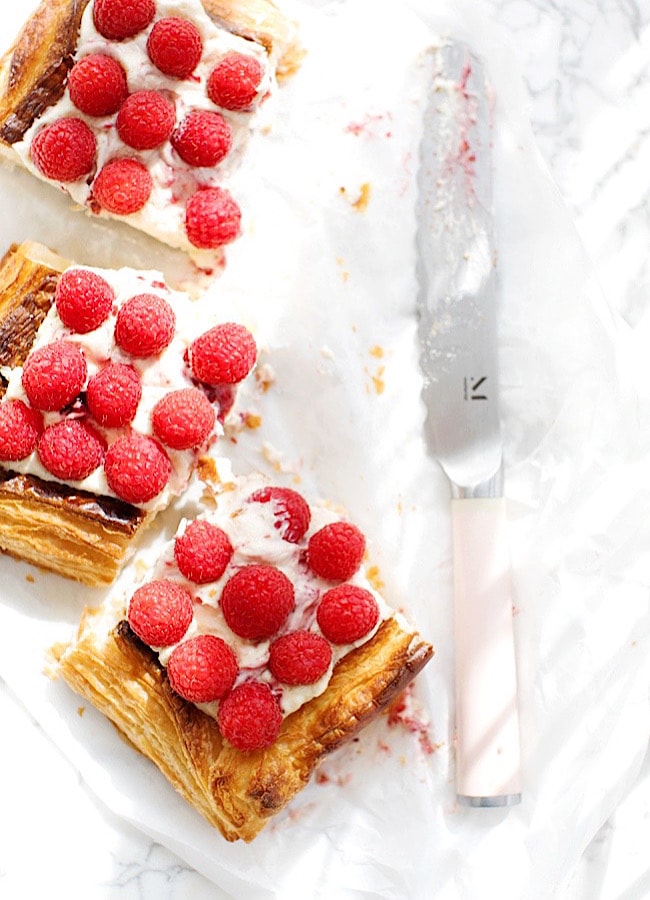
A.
pixel 66 150
pixel 76 424
pixel 299 620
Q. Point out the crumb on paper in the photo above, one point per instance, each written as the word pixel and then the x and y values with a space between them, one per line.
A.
pixel 404 713
pixel 361 198
pixel 340 262
pixel 252 420
pixel 264 376
pixel 377 351
pixel 372 573
pixel 369 125
pixel 30 578
pixel 377 382
pixel 275 457
pixel 327 352
pixel 81 710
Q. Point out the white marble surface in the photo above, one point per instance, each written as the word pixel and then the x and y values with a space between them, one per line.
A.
pixel 586 68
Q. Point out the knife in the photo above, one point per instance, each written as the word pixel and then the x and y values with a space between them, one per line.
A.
pixel 457 331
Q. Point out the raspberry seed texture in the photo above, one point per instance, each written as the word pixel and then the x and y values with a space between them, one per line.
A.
pixel 83 300
pixel 183 419
pixel 137 468
pixel 123 186
pixel 202 552
pixel 175 47
pixel 346 613
pixel 97 85
pixel 223 355
pixel 65 150
pixel 20 429
pixel 54 375
pixel 113 395
pixel 121 19
pixel 160 612
pixel 250 717
pixel 145 325
pixel 256 601
pixel 70 450
pixel 335 552
pixel 202 669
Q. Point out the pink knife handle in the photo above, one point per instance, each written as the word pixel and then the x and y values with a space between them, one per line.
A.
pixel 487 749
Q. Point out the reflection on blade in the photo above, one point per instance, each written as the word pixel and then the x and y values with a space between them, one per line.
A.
pixel 457 321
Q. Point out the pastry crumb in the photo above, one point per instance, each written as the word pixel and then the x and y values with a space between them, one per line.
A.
pixel 252 420
pixel 30 578
pixel 375 579
pixel 81 710
pixel 361 199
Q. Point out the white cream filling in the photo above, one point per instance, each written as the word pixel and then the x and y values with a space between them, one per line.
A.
pixel 252 533
pixel 159 375
pixel 174 181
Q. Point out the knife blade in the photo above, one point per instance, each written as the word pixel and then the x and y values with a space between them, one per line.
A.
pixel 457 331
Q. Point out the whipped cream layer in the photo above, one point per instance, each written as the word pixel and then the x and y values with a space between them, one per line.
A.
pixel 160 374
pixel 174 181
pixel 251 528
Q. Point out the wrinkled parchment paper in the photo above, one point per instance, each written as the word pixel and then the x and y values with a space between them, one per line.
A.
pixel 326 276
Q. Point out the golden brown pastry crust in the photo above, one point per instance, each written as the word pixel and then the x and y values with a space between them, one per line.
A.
pixel 34 70
pixel 70 532
pixel 236 792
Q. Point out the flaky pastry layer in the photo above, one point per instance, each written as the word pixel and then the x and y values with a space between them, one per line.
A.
pixel 236 792
pixel 55 527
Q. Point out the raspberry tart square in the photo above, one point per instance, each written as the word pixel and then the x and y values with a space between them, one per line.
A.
pixel 113 396
pixel 142 111
pixel 256 646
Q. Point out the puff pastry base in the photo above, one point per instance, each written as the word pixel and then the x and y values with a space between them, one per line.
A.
pixel 73 533
pixel 236 792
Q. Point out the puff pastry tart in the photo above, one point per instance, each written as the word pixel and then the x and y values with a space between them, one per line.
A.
pixel 141 109
pixel 111 394
pixel 256 646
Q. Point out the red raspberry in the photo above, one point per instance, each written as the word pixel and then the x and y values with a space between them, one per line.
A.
pixel 65 150
pixel 145 325
pixel 202 669
pixel 20 429
pixel 250 717
pixel 83 300
pixel 234 82
pixel 121 19
pixel 175 47
pixel 202 138
pixel 335 552
pixel 291 511
pixel 223 355
pixel 347 613
pixel 137 468
pixel 123 186
pixel 70 450
pixel 113 395
pixel 301 657
pixel 256 601
pixel 160 612
pixel 203 552
pixel 97 85
pixel 212 218
pixel 183 419
pixel 145 120
pixel 54 375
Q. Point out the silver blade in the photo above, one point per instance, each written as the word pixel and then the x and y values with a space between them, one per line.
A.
pixel 457 316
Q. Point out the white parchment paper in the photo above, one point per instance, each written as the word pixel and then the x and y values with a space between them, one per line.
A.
pixel 326 275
